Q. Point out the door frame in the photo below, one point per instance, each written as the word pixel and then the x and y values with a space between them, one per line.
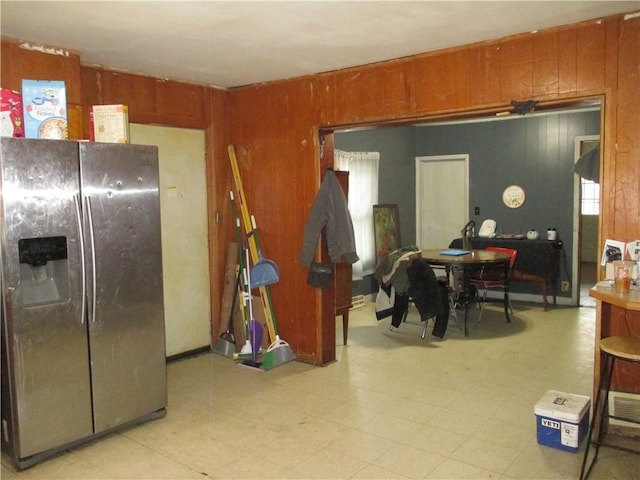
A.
pixel 577 220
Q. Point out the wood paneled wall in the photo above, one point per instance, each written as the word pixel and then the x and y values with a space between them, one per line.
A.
pixel 19 63
pixel 151 100
pixel 275 127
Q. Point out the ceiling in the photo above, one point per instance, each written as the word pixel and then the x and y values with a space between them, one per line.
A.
pixel 234 43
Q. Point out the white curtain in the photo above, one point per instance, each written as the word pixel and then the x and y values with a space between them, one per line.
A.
pixel 363 194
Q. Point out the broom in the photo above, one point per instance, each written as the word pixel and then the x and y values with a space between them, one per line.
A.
pixel 279 352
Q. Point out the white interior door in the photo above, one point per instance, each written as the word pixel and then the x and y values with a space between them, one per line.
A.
pixel 185 241
pixel 442 199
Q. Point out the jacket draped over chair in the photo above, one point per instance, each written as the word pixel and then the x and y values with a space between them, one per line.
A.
pixel 412 278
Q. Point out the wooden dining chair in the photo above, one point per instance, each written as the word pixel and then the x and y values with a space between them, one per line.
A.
pixel 495 278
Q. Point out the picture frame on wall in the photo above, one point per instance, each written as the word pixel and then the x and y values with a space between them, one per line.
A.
pixel 634 250
pixel 613 250
pixel 386 227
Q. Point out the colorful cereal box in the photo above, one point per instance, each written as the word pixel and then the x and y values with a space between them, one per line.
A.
pixel 11 123
pixel 44 104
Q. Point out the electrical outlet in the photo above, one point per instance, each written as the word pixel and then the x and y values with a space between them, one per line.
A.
pixel 565 286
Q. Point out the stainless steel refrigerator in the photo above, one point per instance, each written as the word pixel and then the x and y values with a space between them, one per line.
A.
pixel 83 340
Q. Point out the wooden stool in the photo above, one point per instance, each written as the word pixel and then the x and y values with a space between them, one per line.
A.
pixel 613 348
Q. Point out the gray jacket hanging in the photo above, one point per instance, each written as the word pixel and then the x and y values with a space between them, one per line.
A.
pixel 329 210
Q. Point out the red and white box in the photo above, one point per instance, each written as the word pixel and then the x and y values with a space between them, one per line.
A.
pixel 11 121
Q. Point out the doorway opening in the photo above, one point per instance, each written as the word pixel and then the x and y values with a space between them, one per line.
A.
pixel 409 145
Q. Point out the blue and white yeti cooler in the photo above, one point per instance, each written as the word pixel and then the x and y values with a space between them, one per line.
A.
pixel 562 420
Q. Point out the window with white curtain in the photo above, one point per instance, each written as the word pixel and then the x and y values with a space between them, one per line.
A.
pixel 363 195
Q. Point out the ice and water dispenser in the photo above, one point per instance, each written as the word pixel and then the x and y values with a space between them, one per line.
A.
pixel 44 270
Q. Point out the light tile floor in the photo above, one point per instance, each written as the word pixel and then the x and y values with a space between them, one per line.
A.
pixel 393 406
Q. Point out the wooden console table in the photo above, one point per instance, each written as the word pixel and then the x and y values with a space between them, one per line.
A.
pixel 537 262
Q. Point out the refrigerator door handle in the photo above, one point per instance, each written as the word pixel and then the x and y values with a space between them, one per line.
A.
pixel 83 308
pixel 93 258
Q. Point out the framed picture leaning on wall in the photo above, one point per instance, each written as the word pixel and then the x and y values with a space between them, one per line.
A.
pixel 386 227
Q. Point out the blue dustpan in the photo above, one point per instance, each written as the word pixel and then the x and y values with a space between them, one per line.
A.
pixel 264 272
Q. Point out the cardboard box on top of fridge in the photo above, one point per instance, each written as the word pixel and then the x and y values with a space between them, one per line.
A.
pixel 109 123
pixel 44 104
pixel 11 123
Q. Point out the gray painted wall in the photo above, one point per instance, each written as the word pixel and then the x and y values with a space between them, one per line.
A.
pixel 535 152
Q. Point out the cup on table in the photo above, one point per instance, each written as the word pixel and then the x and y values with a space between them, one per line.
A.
pixel 622 275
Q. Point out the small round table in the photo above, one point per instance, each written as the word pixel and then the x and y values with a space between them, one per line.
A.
pixel 467 262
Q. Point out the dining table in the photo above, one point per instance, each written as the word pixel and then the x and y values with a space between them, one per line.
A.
pixel 464 263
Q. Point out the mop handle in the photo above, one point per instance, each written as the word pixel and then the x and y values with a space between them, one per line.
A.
pixel 247 272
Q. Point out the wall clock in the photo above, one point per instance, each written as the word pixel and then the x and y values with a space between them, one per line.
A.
pixel 513 196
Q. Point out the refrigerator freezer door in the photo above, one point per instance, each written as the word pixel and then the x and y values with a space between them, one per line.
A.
pixel 126 314
pixel 46 390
